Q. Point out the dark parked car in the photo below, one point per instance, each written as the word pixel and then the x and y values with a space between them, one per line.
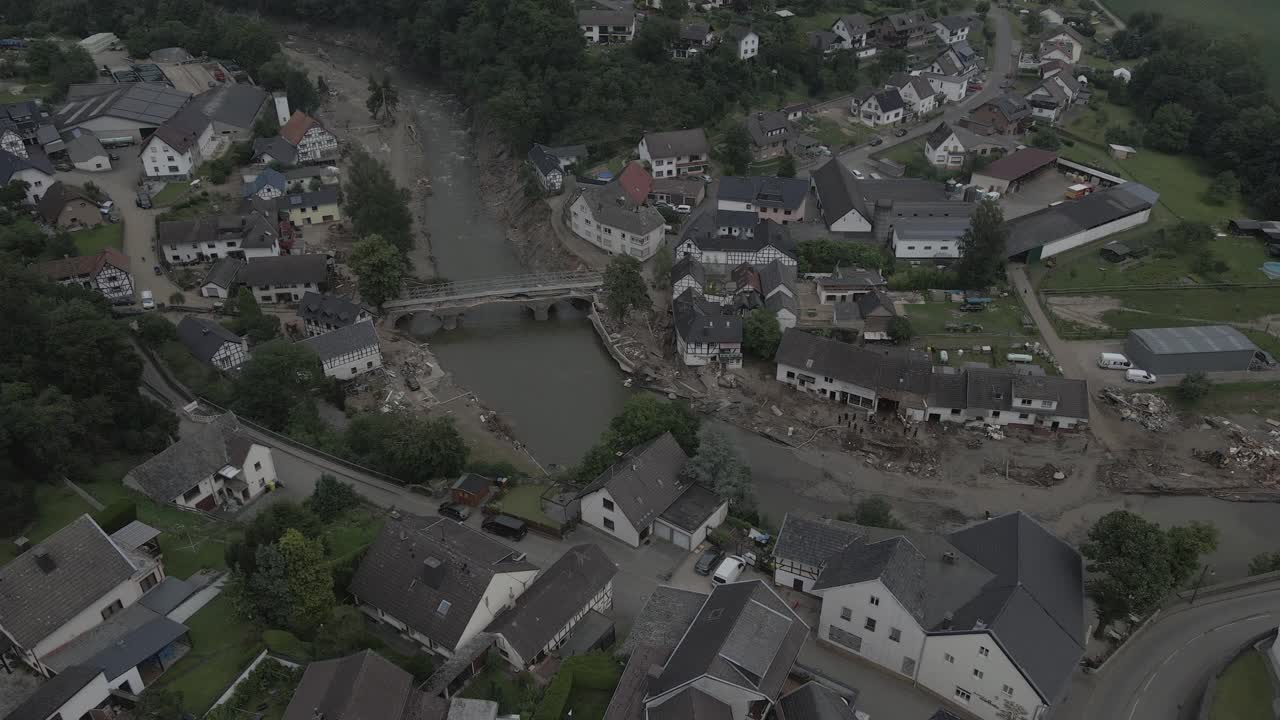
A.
pixel 899 132
pixel 877 140
pixel 157 270
pixel 144 200
pixel 708 562
pixel 506 526
pixel 456 511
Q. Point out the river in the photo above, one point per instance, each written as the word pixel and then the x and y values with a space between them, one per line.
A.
pixel 552 381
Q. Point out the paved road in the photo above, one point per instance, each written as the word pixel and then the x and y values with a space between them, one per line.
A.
pixel 1160 674
pixel 1000 57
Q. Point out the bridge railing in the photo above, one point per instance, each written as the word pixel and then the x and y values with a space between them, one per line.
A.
pixel 498 285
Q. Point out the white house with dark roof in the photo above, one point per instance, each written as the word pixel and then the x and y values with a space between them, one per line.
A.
pixel 546 167
pixel 852 31
pixel 772 198
pixel 743 40
pixel 643 495
pixel 882 108
pixel 349 351
pixel 362 685
pixel 216 464
pixel 578 586
pixel 65 586
pixel 916 92
pixel 322 312
pixel 212 343
pixel 617 217
pixel 70 694
pixel 251 235
pixel 990 614
pixel 106 272
pixel 607 26
pixel 859 376
pixel 949 146
pixel 285 278
pixel 36 172
pixel 952 29
pixel 1005 396
pixel 677 152
pixel 706 332
pixel 220 280
pixel 437 581
pixel 178 146
pixel 728 238
pixel 312 141
pixel 688 274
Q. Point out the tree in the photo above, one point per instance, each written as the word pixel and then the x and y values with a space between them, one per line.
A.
pixel 982 7
pixel 251 321
pixel 1224 188
pixel 266 529
pixel 982 247
pixel 1264 563
pixel 876 512
pixel 718 467
pixel 624 287
pixel 761 334
pixel 787 168
pixel 1193 387
pixel 643 418
pixel 383 98
pixel 267 125
pixel 675 9
pixel 156 330
pixel 826 255
pixel 1033 23
pixel 1169 129
pixel 275 386
pixel 308 580
pixel 735 154
pixel 1011 710
pixel 406 446
pixel 375 204
pixel 900 330
pixel 379 268
pixel 331 498
pixel 1045 138
pixel 1136 563
pixel 267 595
pixel 654 40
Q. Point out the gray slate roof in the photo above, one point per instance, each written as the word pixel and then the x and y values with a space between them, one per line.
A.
pixel 543 161
pixel 610 206
pixel 888 372
pixel 10 164
pixel 363 686
pixel 813 541
pixel 691 510
pixel 774 275
pixel 557 595
pixel 49 697
pixel 838 191
pixel 329 309
pixel 889 100
pixel 815 701
pixel 994 388
pixel 223 272
pixel 182 465
pixel 87 565
pixel 645 481
pixel 235 105
pixel 285 270
pixel 895 562
pixel 204 338
pixel 181 131
pixel 704 232
pixel 168 595
pixel 702 321
pixel 344 340
pixel 689 267
pixel 677 142
pixel 1073 216
pixel 148 103
pixel 311 198
pixel 1201 339
pixel 605 17
pixel 765 192
pixel 760 124
pixel 744 635
pixel 277 147
pixel 393 575
pixel 662 621
pixel 269 177
pixel 85 147
pixel 690 704
pixel 472 483
pixel 119 643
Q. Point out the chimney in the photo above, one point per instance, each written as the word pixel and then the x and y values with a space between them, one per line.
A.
pixel 433 571
pixel 282 107
pixel 948 620
pixel 949 558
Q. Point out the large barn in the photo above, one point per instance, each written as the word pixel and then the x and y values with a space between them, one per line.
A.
pixel 1180 350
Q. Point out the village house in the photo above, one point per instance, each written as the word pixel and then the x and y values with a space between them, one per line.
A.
pixel 770 134
pixel 689 274
pixel 853 31
pixel 73 693
pixel 607 26
pixel 675 191
pixel 212 343
pixel 706 332
pixel 564 612
pixel 871 315
pixel 860 376
pixel 310 208
pixel 1003 396
pixel 1072 223
pixel 728 238
pixel 694 38
pixel 987 615
pixel 568 155
pixel 1008 114
pixel 25 118
pixel 11 140
pixel 67 206
pixel 958 60
pixel 882 108
pixel 216 464
pixel 726 654
pixel 120 112
pixel 949 146
pixel 266 185
pixel 847 284
pixel 220 280
pixel 904 30
pixel 916 92
pixel 867 210
pixel 314 177
pixel 285 278
pixel 824 40
pixel 1053 96
pixel 1066 41
pixel 179 146
pixel 928 239
pixel 438 582
pixel 778 286
pixel 363 685
pixel 36 172
pixel 311 140
pixel 771 198
pixel 1009 173
pixel 675 153
pixel 86 153
pixel 744 41
pixel 952 88
pixel 65 586
pixel 546 167
pixel 321 313
pixel 952 29
pixel 247 236
pixel 470 489
pixel 106 272
pixel 348 352
pixel 274 151
pixel 643 495
pixel 617 217
pixel 233 110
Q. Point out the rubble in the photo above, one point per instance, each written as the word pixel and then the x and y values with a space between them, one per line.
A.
pixel 1148 409
pixel 1246 451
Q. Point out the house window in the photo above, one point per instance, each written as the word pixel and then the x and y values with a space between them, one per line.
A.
pixel 257 466
pixel 149 582
pixel 983 651
pixel 908 666
pixel 963 695
pixel 949 658
pixel 875 600
pixel 191 494
pixel 1007 690
pixel 1024 402
pixel 895 634
pixel 977 673
pixel 607 503
pixel 608 524
pixel 847 639
pixel 846 613
pixel 1023 416
pixel 173 169
pixel 791 375
pixel 112 609
pixel 995 413
pixel 870 624
pixel 369 364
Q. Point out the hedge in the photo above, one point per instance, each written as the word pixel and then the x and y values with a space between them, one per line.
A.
pixel 116 515
pixel 557 694
pixel 593 671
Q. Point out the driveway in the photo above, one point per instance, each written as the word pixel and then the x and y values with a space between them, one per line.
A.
pixel 1003 51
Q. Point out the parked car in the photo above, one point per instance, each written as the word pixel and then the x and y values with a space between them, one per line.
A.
pixel 457 511
pixel 63 166
pixel 1264 359
pixel 412 383
pixel 859 174
pixel 105 207
pixel 505 525
pixel 708 561
pixel 899 132
pixel 143 200
pixel 684 209
pixel 877 140
pixel 148 300
pixel 1113 361
pixel 729 571
pixel 1135 375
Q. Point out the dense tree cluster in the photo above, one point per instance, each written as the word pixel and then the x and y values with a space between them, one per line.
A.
pixel 60 66
pixel 822 256
pixel 642 419
pixel 374 204
pixel 982 253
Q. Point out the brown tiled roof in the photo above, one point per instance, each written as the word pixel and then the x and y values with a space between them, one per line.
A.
pixel 298 125
pixel 81 265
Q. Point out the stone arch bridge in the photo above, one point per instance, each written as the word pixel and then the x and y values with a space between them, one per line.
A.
pixel 449 301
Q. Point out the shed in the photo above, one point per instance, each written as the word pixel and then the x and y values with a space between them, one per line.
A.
pixel 470 489
pixel 1180 350
pixel 1115 251
pixel 1121 152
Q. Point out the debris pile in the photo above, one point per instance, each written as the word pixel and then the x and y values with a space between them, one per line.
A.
pixel 1148 409
pixel 1246 451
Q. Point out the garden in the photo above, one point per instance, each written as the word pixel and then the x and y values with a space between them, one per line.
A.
pixel 92 241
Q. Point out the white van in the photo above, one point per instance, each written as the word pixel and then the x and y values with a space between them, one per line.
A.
pixel 148 300
pixel 1113 361
pixel 1135 375
pixel 729 571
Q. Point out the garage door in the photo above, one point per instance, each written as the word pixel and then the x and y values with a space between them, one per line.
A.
pixel 680 539
pixel 662 531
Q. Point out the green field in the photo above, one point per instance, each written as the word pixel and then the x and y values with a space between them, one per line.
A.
pixel 1234 16
pixel 1084 267
pixel 1002 317
pixel 95 240
pixel 1244 690
pixel 525 501
pixel 222 645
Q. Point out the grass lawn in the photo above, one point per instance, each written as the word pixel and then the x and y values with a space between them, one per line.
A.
pixel 1084 267
pixel 525 501
pixel 1002 316
pixel 32 91
pixel 905 152
pixel 495 683
pixel 1216 305
pixel 353 532
pixel 222 645
pixel 1265 341
pixel 58 506
pixel 1261 398
pixel 588 704
pixel 1244 690
pixel 172 194
pixel 94 240
pixel 815 22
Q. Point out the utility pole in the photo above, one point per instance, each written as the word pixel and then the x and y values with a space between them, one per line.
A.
pixel 1199 584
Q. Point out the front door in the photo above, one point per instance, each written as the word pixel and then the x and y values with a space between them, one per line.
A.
pixel 797 584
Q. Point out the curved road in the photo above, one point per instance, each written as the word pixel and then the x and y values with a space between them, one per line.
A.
pixel 1161 673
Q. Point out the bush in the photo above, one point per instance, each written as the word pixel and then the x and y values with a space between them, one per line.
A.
pixel 593 671
pixel 287 645
pixel 331 498
pixel 418 665
pixel 116 515
pixel 556 696
pixel 1192 388
pixel 156 330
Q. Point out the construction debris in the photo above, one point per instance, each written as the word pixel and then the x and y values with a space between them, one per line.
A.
pixel 1247 451
pixel 1148 409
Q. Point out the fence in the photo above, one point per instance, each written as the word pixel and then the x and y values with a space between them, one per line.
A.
pixel 1089 290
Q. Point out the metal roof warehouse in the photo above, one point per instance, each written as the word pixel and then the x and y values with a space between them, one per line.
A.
pixel 1177 350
